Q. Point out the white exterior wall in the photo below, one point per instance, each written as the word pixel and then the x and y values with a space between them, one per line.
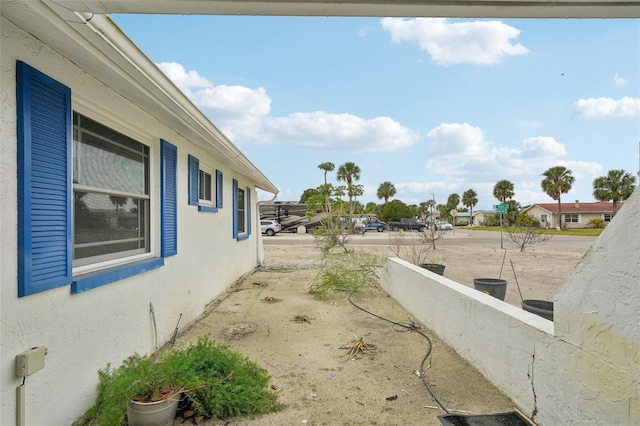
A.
pixel 582 369
pixel 85 331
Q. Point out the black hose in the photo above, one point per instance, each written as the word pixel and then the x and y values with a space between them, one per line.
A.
pixel 412 326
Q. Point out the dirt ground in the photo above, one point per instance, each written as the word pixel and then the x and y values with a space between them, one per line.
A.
pixel 304 343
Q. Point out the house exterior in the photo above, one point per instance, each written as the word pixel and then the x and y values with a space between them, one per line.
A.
pixel 574 215
pixel 124 209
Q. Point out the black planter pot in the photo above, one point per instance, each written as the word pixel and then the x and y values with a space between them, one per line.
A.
pixel 495 287
pixel 434 267
pixel 541 308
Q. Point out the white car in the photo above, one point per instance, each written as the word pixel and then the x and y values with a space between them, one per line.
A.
pixel 443 225
pixel 270 227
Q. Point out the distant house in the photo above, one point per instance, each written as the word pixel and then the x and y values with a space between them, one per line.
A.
pixel 574 215
pixel 124 209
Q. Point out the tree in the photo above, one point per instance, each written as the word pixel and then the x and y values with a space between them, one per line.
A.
pixel 616 186
pixel 452 203
pixel 503 190
pixel 526 233
pixel 394 210
pixel 308 193
pixel 557 180
pixel 386 190
pixel 470 199
pixel 348 172
pixel 327 167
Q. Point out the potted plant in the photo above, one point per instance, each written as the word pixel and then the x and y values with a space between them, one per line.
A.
pixel 213 380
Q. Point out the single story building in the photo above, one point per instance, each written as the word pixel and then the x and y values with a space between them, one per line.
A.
pixel 574 215
pixel 124 209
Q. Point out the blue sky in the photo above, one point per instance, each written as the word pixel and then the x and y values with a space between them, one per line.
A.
pixel 435 106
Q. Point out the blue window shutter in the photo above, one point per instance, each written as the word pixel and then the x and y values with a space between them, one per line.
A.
pixel 218 189
pixel 248 210
pixel 44 116
pixel 169 198
pixel 194 180
pixel 234 207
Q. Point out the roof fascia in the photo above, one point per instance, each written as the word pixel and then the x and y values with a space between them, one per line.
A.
pixel 104 40
pixel 371 8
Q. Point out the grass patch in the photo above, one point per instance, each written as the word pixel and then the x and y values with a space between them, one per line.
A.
pixel 580 232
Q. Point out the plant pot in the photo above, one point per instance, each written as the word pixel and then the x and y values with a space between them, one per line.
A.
pixel 434 267
pixel 495 287
pixel 541 308
pixel 159 413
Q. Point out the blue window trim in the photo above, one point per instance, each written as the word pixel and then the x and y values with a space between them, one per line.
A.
pixel 219 187
pixel 168 199
pixel 44 133
pixel 207 209
pixel 194 180
pixel 45 200
pixel 95 279
pixel 194 187
pixel 234 207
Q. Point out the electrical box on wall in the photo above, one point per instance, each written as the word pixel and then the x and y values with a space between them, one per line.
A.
pixel 30 361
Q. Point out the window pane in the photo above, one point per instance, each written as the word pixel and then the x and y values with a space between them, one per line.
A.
pixel 240 218
pixel 205 186
pixel 104 158
pixel 111 187
pixel 106 226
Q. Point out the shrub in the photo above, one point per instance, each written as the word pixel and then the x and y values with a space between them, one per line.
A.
pixel 216 381
pixel 597 223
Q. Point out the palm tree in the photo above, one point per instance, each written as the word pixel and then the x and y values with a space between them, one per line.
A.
pixel 348 172
pixel 327 167
pixel 557 181
pixel 616 186
pixel 386 190
pixel 503 190
pixel 470 199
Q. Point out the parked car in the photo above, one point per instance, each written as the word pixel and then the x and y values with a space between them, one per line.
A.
pixel 443 225
pixel 375 225
pixel 270 227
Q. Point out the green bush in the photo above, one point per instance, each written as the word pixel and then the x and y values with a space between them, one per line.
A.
pixel 216 381
pixel 597 223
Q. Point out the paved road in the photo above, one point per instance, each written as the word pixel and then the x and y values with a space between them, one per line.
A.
pixel 457 237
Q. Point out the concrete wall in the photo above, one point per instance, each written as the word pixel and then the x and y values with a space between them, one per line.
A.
pixel 83 332
pixel 582 369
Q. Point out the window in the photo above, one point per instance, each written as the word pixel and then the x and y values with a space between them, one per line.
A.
pixel 201 187
pixel 543 218
pixel 608 217
pixel 83 194
pixel 241 212
pixel 110 193
pixel 205 187
pixel 571 218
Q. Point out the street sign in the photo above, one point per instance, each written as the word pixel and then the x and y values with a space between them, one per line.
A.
pixel 501 208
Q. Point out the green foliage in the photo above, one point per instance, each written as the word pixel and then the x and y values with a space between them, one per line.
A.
pixel 347 272
pixel 597 223
pixel 216 381
pixel 524 220
pixel 394 210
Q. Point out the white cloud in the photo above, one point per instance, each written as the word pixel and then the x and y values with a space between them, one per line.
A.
pixel 477 42
pixel 619 81
pixel 461 152
pixel 593 108
pixel 340 132
pixel 242 113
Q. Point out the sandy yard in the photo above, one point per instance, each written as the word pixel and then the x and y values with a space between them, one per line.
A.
pixel 304 343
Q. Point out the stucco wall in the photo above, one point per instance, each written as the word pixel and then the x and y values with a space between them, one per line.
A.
pixel 582 369
pixel 83 332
